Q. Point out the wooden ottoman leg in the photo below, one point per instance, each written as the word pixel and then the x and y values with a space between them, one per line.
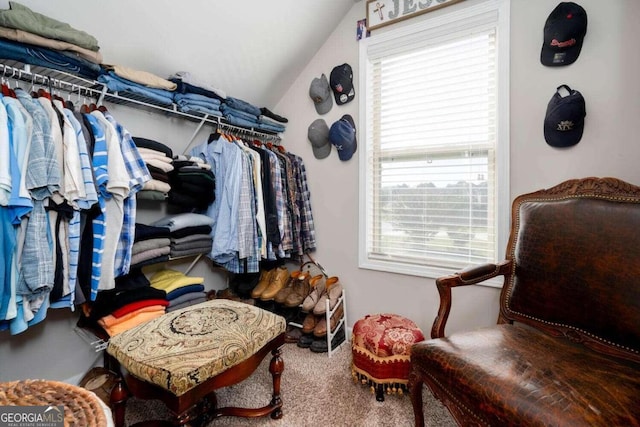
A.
pixel 415 390
pixel 118 402
pixel 276 367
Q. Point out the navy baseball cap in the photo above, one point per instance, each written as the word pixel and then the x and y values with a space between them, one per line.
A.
pixel 564 33
pixel 343 136
pixel 564 121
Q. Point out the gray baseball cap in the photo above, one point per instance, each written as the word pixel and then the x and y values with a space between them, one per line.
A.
pixel 318 135
pixel 320 93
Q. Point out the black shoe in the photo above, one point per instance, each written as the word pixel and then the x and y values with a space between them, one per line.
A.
pixel 319 345
pixel 305 341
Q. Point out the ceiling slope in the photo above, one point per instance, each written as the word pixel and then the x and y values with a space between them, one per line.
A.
pixel 251 49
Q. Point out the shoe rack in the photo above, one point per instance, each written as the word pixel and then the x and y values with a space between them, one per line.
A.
pixel 342 323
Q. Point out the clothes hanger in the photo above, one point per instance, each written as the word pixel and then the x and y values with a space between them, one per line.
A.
pixel 213 136
pixel 68 102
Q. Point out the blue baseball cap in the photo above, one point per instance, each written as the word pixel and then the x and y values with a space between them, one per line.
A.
pixel 343 136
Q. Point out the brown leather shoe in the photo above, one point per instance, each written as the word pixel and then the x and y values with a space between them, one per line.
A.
pixel 281 296
pixel 309 323
pixel 320 330
pixel 317 284
pixel 292 334
pixel 278 281
pixel 332 293
pixel 299 291
pixel 265 279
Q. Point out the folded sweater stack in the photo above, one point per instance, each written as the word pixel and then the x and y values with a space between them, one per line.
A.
pixel 182 290
pixel 189 233
pixel 117 310
pixel 192 183
pixel 151 245
pixel 159 160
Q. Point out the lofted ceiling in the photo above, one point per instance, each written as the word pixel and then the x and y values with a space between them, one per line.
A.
pixel 251 49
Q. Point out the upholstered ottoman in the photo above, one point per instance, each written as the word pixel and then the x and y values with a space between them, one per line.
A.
pixel 183 356
pixel 380 348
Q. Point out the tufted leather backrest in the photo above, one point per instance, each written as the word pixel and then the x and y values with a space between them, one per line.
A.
pixel 576 249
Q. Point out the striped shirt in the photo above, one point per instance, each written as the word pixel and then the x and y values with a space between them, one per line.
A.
pixel 138 176
pixel 102 178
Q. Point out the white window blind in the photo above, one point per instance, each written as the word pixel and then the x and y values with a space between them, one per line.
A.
pixel 431 171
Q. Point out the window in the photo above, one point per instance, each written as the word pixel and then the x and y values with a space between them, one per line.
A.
pixel 434 123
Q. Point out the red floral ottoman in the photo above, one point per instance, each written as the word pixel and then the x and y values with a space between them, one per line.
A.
pixel 381 348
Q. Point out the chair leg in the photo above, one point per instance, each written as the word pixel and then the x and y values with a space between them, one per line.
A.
pixel 276 367
pixel 415 390
pixel 118 402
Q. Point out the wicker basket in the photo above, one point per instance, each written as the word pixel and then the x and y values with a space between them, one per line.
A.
pixel 81 407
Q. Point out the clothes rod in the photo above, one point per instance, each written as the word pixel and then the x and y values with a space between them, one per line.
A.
pixel 60 80
pixel 71 84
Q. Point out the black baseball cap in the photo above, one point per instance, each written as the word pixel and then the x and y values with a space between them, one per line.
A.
pixel 564 33
pixel 564 121
pixel 341 80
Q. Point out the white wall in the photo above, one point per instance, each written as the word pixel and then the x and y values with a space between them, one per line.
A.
pixel 606 73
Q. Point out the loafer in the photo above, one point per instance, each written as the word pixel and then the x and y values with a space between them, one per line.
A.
pixel 305 341
pixel 317 285
pixel 332 294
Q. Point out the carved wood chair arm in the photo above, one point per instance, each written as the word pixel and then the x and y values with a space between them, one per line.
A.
pixel 469 276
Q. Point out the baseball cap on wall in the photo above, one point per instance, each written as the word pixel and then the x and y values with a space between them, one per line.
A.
pixel 564 33
pixel 564 120
pixel 343 135
pixel 318 134
pixel 341 79
pixel 320 93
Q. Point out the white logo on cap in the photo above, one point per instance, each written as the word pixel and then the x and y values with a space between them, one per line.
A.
pixel 343 98
pixel 565 125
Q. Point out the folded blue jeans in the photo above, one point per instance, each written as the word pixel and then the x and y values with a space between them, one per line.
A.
pixel 116 84
pixel 241 105
pixel 36 55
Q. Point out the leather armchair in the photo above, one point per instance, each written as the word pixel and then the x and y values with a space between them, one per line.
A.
pixel 566 347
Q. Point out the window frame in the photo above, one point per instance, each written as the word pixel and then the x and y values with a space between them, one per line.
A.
pixel 456 13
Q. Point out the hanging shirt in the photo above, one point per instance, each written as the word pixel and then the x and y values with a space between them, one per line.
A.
pixel 19 201
pixel 43 180
pixel 138 176
pixel 225 160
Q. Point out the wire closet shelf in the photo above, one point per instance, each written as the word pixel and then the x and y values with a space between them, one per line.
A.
pixel 83 89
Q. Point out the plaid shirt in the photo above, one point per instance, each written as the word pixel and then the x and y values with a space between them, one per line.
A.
pixel 248 257
pixel 308 233
pixel 43 179
pixel 138 175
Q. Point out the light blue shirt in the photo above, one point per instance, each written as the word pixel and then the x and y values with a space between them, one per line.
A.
pixel 226 163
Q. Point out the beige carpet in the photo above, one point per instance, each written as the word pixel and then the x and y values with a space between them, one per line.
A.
pixel 316 391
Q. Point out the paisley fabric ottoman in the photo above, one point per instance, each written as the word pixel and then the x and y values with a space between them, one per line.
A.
pixel 183 356
pixel 381 348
